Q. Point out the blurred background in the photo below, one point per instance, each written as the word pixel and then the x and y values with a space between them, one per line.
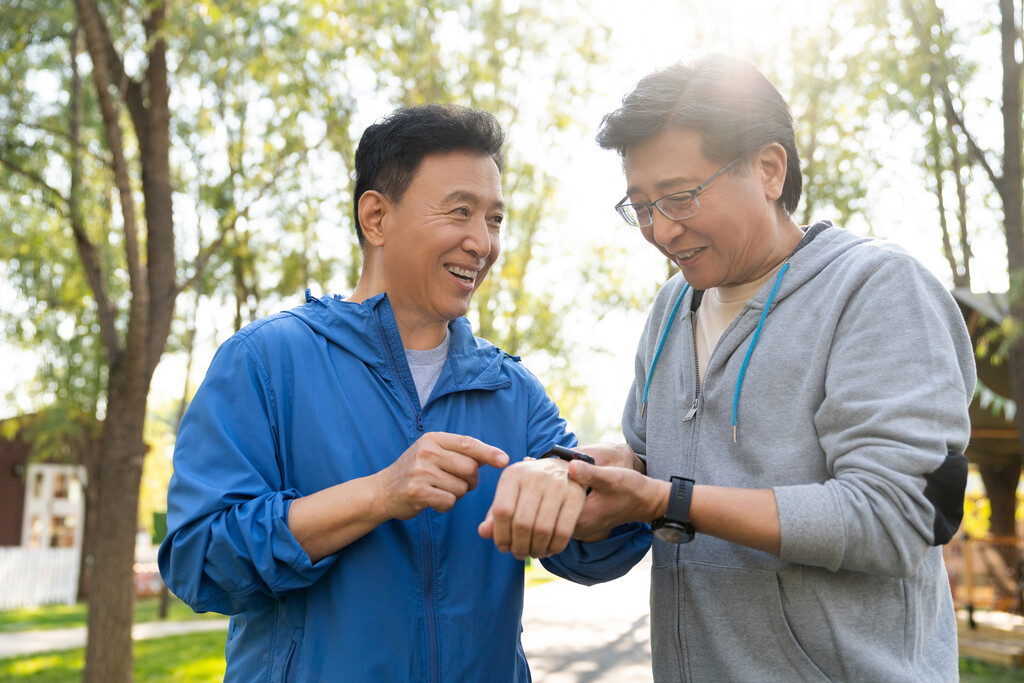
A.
pixel 171 171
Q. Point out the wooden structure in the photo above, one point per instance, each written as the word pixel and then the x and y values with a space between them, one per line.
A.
pixel 987 574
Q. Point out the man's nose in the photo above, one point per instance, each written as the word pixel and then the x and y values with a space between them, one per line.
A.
pixel 478 238
pixel 663 229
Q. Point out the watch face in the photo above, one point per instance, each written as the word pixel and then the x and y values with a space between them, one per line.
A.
pixel 671 532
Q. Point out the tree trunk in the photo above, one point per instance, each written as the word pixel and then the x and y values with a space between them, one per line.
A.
pixel 112 595
pixel 1001 485
pixel 153 292
pixel 1010 192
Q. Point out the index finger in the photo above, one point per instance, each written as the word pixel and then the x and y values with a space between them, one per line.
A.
pixel 483 453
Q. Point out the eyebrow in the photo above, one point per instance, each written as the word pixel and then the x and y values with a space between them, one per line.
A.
pixel 667 184
pixel 466 196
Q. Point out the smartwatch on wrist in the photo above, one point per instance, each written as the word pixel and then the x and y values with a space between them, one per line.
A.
pixel 675 526
pixel 567 454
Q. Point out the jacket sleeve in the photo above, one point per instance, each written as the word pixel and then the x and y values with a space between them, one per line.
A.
pixel 228 545
pixel 893 426
pixel 590 563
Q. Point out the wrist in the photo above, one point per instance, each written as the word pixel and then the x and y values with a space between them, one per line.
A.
pixel 379 487
pixel 657 501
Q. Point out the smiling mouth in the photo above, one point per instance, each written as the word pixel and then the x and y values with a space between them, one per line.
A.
pixel 462 273
pixel 683 256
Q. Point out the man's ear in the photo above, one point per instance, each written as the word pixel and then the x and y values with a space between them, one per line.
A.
pixel 772 163
pixel 372 208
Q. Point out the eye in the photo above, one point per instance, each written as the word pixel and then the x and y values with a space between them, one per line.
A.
pixel 675 204
pixel 462 211
pixel 498 219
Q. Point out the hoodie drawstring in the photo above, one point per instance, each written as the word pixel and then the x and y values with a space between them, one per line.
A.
pixel 661 345
pixel 746 359
pixel 753 343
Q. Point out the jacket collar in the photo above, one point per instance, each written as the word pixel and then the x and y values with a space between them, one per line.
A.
pixel 369 331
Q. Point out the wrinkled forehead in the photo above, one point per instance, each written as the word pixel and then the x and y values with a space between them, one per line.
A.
pixel 459 174
pixel 668 160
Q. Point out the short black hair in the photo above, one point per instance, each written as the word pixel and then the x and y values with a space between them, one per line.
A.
pixel 391 150
pixel 725 99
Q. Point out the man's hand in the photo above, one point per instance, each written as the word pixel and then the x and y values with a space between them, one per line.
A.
pixel 534 510
pixel 434 472
pixel 619 495
pixel 614 455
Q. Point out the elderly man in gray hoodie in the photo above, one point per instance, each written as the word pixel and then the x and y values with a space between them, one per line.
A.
pixel 796 429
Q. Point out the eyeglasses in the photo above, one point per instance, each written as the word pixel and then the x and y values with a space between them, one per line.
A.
pixel 675 207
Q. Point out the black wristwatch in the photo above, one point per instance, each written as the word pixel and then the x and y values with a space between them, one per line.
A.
pixel 675 526
pixel 567 454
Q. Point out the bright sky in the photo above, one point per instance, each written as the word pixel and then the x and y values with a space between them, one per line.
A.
pixel 645 34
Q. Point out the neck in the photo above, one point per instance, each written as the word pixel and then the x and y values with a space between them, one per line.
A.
pixel 417 334
pixel 788 235
pixel 421 337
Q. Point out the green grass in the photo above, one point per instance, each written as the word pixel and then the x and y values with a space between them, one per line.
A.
pixel 193 658
pixel 536 574
pixel 973 671
pixel 68 616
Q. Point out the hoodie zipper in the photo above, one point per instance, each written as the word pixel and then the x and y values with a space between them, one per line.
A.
pixel 696 372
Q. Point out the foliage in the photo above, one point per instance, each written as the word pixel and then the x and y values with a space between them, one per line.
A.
pixel 267 102
pixel 978 510
pixel 38 151
pixel 973 671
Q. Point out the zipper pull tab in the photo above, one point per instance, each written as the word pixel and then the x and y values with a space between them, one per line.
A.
pixel 693 411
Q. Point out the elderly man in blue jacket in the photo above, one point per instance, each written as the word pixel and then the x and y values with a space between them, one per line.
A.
pixel 334 466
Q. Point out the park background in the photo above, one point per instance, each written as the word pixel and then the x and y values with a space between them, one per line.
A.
pixel 171 171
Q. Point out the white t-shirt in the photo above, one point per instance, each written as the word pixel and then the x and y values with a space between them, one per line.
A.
pixel 717 310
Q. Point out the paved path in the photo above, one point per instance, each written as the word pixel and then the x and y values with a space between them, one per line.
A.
pixel 596 634
pixel 571 633
pixel 31 642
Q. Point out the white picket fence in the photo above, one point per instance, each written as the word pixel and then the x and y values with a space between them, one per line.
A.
pixel 30 577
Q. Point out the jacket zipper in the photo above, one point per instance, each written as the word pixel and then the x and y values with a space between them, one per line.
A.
pixel 424 527
pixel 696 371
pixel 428 595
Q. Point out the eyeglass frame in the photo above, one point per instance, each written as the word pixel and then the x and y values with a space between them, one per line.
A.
pixel 693 196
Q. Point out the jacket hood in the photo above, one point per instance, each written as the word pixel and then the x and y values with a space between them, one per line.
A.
pixel 805 264
pixel 369 331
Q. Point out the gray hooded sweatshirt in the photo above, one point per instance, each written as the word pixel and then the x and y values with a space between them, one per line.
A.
pixel 853 409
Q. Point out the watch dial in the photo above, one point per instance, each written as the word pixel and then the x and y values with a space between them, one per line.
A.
pixel 670 534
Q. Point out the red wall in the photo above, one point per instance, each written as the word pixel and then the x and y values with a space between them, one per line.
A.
pixel 13 455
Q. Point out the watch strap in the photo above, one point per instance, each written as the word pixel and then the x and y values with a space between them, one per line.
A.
pixel 679 499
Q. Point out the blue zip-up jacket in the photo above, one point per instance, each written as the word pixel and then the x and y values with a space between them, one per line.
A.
pixel 309 398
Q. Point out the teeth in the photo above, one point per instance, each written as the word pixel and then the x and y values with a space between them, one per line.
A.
pixel 688 254
pixel 462 272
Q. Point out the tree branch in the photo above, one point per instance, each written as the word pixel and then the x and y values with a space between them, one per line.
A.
pixel 54 199
pixel 973 150
pixel 203 259
pixel 62 134
pixel 87 252
pixel 99 47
